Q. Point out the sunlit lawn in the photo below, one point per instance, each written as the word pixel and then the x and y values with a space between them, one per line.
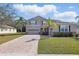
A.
pixel 58 45
pixel 6 38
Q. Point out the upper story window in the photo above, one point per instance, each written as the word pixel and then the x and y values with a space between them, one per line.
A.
pixel 44 22
pixel 32 22
pixel 37 22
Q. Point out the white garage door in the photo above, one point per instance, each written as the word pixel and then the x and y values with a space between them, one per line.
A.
pixel 33 29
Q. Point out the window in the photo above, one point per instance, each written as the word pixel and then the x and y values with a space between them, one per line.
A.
pixel 64 28
pixel 32 22
pixel 44 22
pixel 39 23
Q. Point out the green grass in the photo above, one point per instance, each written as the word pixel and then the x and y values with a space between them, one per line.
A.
pixel 5 38
pixel 58 45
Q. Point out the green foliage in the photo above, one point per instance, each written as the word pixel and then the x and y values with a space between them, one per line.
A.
pixel 6 15
pixel 51 23
pixel 62 34
pixel 20 24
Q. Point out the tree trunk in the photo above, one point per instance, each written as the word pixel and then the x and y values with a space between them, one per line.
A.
pixel 49 31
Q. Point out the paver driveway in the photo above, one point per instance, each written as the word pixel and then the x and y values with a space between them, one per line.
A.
pixel 25 45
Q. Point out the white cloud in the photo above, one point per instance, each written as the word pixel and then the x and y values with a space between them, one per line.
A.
pixel 71 7
pixel 68 16
pixel 35 9
pixel 46 10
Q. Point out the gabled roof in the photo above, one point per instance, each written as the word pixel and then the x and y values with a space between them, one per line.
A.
pixel 68 23
pixel 39 18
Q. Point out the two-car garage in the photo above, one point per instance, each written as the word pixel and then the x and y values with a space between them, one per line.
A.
pixel 33 29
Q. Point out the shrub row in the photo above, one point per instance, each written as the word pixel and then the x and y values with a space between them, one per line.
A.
pixel 63 34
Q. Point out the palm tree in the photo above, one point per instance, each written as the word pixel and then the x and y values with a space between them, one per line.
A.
pixel 77 18
pixel 20 24
pixel 51 24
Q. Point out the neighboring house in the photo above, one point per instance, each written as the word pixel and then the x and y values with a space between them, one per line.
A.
pixel 35 25
pixel 7 29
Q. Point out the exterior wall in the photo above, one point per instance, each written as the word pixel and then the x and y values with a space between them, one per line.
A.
pixel 75 29
pixel 3 31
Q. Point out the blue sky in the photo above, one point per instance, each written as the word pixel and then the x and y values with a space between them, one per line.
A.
pixel 59 11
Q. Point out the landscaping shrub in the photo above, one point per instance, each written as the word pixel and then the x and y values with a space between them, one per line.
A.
pixel 62 34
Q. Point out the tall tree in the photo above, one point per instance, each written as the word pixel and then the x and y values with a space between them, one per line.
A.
pixel 77 18
pixel 51 24
pixel 21 24
pixel 7 14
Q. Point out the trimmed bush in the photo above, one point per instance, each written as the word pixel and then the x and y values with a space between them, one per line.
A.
pixel 62 34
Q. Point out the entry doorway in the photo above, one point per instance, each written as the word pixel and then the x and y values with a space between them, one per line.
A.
pixel 44 31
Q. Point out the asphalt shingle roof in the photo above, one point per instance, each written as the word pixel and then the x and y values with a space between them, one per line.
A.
pixel 56 21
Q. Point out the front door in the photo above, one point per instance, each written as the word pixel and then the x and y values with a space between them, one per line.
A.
pixel 44 31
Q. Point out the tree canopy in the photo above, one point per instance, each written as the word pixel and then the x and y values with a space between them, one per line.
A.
pixel 7 15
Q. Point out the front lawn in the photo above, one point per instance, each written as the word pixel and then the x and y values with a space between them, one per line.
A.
pixel 5 38
pixel 58 45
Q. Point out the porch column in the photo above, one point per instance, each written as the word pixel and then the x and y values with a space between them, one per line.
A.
pixel 59 28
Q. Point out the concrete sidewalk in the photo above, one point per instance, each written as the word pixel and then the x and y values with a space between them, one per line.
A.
pixel 25 45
